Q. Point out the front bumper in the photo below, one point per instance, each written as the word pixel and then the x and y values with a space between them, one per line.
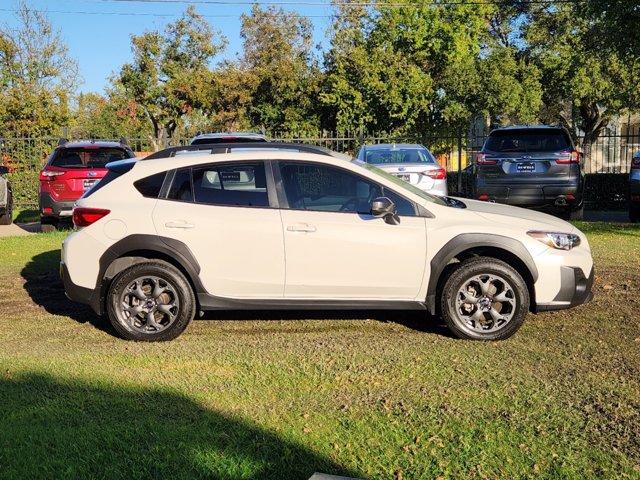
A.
pixel 79 294
pixel 575 289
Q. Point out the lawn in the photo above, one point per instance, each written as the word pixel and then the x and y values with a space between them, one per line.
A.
pixel 391 395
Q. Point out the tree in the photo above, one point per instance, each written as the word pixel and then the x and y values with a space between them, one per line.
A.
pixel 426 67
pixel 282 75
pixel 109 117
pixel 37 76
pixel 585 84
pixel 169 76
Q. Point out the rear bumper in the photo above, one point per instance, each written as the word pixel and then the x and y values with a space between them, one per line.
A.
pixel 59 209
pixel 575 289
pixel 79 294
pixel 532 195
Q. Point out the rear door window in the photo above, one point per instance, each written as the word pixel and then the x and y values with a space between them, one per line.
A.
pixel 240 184
pixel 87 157
pixel 530 140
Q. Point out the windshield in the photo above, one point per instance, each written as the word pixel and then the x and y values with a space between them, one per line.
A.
pixel 96 157
pixel 530 140
pixel 401 183
pixel 379 156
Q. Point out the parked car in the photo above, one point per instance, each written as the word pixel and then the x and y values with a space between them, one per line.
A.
pixel 71 170
pixel 227 137
pixel 531 166
pixel 6 198
pixel 297 227
pixel 410 162
pixel 634 189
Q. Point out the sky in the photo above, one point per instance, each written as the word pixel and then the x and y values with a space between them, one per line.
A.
pixel 98 32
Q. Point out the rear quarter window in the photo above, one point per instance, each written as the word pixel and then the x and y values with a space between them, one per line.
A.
pixel 150 186
pixel 529 140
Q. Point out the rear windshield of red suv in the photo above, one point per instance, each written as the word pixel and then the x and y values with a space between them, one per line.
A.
pixel 87 157
pixel 529 140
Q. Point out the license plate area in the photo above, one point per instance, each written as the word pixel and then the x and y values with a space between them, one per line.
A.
pixel 526 167
pixel 87 184
pixel 404 176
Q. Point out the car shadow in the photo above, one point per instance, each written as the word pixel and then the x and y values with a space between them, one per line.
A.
pixel 54 428
pixel 44 286
pixel 417 320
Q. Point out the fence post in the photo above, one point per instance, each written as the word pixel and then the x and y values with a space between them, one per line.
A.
pixel 459 187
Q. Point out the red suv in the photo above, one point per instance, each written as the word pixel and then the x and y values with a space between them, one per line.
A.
pixel 72 169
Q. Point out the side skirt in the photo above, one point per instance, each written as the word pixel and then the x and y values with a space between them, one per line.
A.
pixel 211 302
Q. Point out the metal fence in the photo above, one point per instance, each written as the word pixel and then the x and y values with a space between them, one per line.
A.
pixel 611 153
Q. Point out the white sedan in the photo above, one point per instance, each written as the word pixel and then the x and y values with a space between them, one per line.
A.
pixel 410 162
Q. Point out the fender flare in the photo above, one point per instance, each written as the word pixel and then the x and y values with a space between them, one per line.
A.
pixel 127 247
pixel 466 241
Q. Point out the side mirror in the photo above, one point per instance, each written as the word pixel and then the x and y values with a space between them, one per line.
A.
pixel 383 207
pixel 4 170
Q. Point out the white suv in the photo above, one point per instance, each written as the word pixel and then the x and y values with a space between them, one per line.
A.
pixel 221 227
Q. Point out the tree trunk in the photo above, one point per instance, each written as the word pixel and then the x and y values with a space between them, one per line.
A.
pixel 592 122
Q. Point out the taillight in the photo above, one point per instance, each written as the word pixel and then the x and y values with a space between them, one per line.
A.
pixel 439 174
pixel 84 216
pixel 48 175
pixel 482 159
pixel 635 163
pixel 573 157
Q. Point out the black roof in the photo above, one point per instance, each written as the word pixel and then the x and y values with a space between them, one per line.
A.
pixel 219 148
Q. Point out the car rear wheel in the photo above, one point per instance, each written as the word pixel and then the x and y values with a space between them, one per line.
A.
pixel 484 299
pixel 150 302
pixel 7 218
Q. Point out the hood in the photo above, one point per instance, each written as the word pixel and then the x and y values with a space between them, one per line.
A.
pixel 507 214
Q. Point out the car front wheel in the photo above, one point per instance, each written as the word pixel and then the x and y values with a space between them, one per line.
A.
pixel 150 302
pixel 484 299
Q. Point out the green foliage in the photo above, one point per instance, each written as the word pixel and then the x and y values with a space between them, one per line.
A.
pixel 585 85
pixel 283 77
pixel 25 185
pixel 169 76
pixel 37 77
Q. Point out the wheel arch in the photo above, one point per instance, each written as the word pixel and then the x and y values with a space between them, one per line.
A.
pixel 467 245
pixel 136 249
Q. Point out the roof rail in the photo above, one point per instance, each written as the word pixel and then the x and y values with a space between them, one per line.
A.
pixel 220 148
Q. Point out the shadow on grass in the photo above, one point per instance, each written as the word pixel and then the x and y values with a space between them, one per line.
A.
pixel 43 284
pixel 72 429
pixel 27 215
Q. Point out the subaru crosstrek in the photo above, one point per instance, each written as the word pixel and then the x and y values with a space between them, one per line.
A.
pixel 298 227
pixel 536 167
pixel 72 169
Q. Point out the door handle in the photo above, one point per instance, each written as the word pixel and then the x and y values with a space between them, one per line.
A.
pixel 301 227
pixel 179 224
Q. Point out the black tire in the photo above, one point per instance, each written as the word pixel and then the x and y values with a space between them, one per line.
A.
pixel 7 218
pixel 125 326
pixel 634 214
pixel 517 305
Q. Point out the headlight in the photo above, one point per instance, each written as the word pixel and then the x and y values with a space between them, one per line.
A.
pixel 561 241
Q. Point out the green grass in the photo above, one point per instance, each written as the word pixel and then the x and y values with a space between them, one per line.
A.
pixel 377 396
